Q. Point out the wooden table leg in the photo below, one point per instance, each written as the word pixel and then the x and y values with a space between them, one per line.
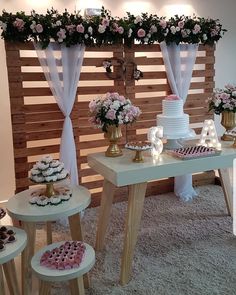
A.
pixel 104 213
pixel 49 232
pixel 77 286
pixel 11 278
pixel 134 213
pixel 2 281
pixel 77 235
pixel 227 187
pixel 26 257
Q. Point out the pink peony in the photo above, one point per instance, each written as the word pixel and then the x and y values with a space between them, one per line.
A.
pixel 163 23
pixel 120 30
pixel 141 33
pixel 181 24
pixel 19 24
pixel 80 28
pixel 39 28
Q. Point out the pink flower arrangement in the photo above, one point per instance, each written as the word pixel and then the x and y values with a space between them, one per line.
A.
pixel 223 99
pixel 113 109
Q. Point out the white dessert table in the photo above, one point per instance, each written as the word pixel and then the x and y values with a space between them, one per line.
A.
pixel 19 208
pixel 121 171
pixel 7 261
pixel 47 275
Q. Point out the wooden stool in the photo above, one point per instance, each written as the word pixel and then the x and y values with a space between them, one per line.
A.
pixel 19 208
pixel 7 261
pixel 74 276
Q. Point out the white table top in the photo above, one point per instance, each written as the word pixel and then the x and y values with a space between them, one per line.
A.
pixel 13 249
pixel 48 274
pixel 122 171
pixel 18 207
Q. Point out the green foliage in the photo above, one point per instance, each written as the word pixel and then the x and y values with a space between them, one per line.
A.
pixel 69 29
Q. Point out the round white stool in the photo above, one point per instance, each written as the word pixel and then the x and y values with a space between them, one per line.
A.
pixel 74 276
pixel 19 208
pixel 7 261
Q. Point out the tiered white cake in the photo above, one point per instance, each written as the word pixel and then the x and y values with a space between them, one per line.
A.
pixel 173 119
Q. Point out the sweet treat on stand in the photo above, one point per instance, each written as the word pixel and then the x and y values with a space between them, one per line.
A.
pixel 6 236
pixel 69 255
pixel 173 119
pixel 192 152
pixel 138 145
pixel 48 170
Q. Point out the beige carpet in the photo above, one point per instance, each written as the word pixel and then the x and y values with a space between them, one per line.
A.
pixel 182 248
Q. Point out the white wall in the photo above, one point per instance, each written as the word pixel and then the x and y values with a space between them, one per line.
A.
pixel 225 54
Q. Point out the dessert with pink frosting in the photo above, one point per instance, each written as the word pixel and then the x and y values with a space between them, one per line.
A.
pixel 69 255
pixel 48 170
pixel 173 119
pixel 191 152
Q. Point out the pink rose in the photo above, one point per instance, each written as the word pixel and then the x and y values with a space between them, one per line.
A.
pixel 141 33
pixel 163 23
pixel 39 28
pixel 70 28
pixel 19 24
pixel 80 28
pixel 105 22
pixel 111 114
pixel 181 24
pixel 120 30
pixel 196 29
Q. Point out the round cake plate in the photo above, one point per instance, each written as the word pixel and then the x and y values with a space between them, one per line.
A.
pixel 138 155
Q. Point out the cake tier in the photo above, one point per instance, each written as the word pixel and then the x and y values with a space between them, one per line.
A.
pixel 174 126
pixel 172 108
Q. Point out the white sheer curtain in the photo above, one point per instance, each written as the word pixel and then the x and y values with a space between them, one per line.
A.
pixel 62 66
pixel 179 61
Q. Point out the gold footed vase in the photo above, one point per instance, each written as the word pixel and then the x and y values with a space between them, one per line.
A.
pixel 113 134
pixel 228 120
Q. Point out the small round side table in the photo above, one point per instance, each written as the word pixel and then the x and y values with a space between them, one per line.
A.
pixel 19 208
pixel 74 276
pixel 7 263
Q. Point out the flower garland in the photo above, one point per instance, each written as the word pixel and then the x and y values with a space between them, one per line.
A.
pixel 71 29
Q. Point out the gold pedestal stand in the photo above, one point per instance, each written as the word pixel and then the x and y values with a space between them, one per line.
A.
pixel 138 158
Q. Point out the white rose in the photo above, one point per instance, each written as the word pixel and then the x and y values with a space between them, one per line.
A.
pixel 204 36
pixel 177 29
pixel 86 36
pixel 115 105
pixel 145 40
pixel 130 33
pixel 58 23
pixel 101 29
pixel 90 30
pixel 234 93
pixel 138 19
pixel 173 29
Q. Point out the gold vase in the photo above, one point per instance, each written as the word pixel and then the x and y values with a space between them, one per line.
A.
pixel 229 122
pixel 113 134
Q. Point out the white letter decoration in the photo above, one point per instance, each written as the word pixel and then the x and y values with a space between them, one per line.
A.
pixel 154 135
pixel 209 136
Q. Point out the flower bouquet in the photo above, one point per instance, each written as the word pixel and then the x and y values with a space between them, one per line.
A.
pixel 223 101
pixel 108 114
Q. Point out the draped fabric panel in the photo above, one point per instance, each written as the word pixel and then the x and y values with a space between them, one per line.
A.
pixel 62 66
pixel 179 61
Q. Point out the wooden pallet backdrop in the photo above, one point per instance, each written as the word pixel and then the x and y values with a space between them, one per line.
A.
pixel 37 121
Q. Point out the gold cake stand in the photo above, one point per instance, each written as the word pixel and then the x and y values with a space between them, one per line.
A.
pixel 139 149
